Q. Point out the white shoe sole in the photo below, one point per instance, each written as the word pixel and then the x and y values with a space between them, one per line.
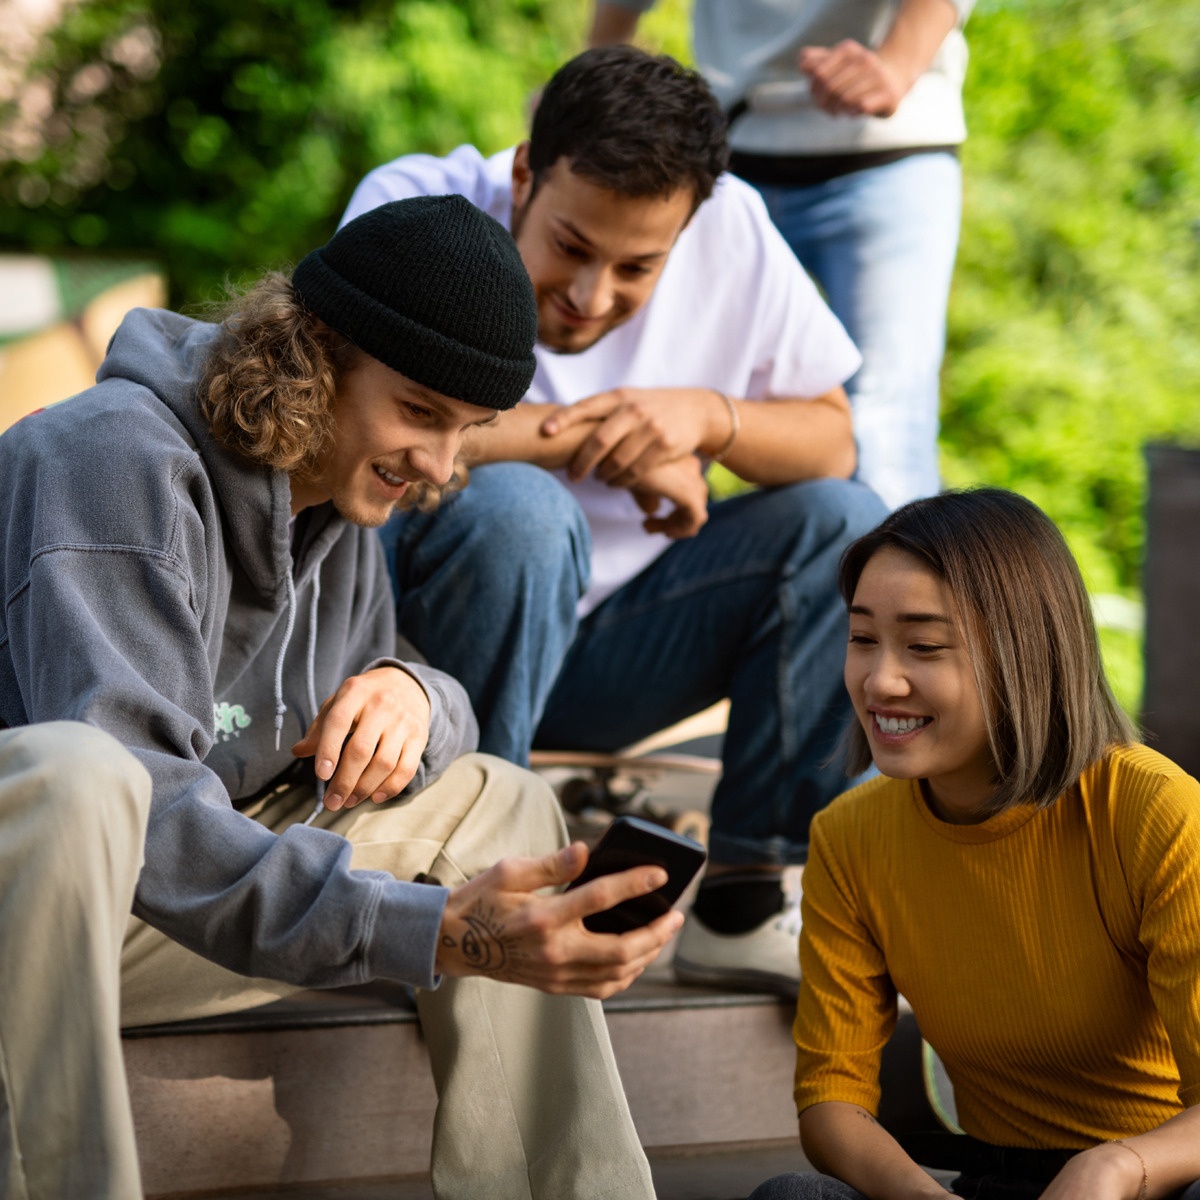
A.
pixel 741 979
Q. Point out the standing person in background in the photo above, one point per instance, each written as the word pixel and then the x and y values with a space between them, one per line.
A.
pixel 846 115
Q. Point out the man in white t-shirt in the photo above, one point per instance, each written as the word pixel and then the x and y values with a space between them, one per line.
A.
pixel 581 587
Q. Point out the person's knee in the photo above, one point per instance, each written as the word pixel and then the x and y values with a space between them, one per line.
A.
pixel 814 518
pixel 520 514
pixel 523 519
pixel 520 805
pixel 781 1187
pixel 844 507
pixel 74 804
pixel 85 773
pixel 795 1186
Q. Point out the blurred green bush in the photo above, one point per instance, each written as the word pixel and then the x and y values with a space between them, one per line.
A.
pixel 225 135
pixel 1076 303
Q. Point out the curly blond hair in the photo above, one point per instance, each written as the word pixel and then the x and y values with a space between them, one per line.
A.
pixel 269 387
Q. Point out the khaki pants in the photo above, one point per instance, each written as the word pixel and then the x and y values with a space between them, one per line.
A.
pixel 530 1105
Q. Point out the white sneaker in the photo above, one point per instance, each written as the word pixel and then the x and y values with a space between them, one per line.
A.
pixel 767 959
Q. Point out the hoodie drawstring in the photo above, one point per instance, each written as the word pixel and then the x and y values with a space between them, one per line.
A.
pixel 280 707
pixel 312 683
pixel 311 663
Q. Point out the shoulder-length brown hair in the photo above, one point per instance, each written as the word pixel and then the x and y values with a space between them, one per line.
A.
pixel 269 388
pixel 1027 624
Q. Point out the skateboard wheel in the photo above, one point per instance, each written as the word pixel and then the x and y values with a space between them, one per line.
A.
pixel 693 825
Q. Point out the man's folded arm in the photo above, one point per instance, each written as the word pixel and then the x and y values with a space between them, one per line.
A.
pixel 778 440
pixel 784 441
pixel 516 436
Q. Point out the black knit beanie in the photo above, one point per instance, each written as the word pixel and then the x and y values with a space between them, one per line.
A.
pixel 435 289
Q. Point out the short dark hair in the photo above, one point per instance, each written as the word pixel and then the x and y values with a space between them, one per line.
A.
pixel 635 123
pixel 1027 624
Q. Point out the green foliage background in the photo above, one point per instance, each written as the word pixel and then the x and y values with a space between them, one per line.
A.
pixel 223 136
pixel 1076 301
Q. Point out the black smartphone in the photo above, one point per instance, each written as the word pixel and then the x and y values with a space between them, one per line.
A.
pixel 632 842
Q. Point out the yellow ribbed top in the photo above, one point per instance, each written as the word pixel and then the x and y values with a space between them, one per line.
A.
pixel 1052 958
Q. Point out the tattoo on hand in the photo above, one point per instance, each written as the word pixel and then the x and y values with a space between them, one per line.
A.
pixel 488 948
pixel 483 941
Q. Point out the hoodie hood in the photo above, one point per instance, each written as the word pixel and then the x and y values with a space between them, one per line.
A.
pixel 165 352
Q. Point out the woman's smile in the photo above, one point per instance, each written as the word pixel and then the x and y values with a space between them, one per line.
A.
pixel 912 682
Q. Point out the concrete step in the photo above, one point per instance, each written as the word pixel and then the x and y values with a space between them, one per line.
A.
pixel 698 1173
pixel 334 1088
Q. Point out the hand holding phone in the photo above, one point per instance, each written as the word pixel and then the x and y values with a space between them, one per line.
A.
pixel 502 925
pixel 632 842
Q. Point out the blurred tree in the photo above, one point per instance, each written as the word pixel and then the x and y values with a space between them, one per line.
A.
pixel 1076 303
pixel 1074 318
pixel 221 135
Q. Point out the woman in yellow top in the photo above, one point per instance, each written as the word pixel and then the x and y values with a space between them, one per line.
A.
pixel 1023 872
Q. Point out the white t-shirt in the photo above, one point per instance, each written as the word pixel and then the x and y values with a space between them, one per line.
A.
pixel 733 310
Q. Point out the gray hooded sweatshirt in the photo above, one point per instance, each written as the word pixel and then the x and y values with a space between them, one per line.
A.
pixel 150 589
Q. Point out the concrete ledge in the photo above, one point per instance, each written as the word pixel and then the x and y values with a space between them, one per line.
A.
pixel 222 1111
pixel 337 1087
pixel 701 1076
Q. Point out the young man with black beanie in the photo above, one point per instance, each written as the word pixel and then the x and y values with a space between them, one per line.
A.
pixel 189 571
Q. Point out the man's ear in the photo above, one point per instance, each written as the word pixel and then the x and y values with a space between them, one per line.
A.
pixel 522 177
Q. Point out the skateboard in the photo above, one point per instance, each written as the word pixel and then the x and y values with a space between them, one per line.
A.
pixel 648 779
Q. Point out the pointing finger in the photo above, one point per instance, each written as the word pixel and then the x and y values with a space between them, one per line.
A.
pixel 609 890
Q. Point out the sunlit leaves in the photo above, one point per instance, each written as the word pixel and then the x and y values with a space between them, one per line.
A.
pixel 1076 302
pixel 222 135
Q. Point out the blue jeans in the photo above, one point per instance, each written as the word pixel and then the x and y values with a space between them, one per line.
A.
pixel 881 244
pixel 487 588
pixel 811 1186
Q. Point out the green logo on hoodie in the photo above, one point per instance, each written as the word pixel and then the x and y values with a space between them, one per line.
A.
pixel 228 720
